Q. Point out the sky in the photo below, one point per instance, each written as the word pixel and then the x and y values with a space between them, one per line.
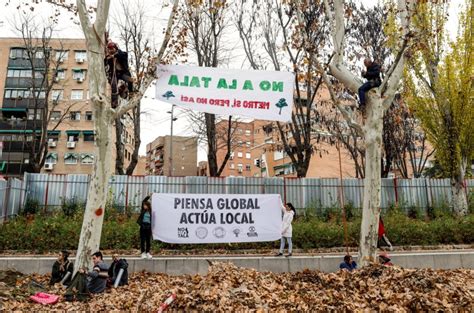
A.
pixel 155 119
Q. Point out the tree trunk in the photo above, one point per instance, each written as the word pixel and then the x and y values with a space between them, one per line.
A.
pixel 372 183
pixel 211 144
pixel 459 202
pixel 137 141
pixel 119 147
pixel 91 230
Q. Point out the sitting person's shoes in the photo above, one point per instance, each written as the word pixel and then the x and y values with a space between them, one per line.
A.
pixel 289 254
pixel 123 91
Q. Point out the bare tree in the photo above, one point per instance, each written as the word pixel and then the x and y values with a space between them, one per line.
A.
pixel 378 103
pixel 42 58
pixel 205 22
pixel 274 26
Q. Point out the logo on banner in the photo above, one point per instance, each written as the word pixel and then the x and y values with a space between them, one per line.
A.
pixel 183 232
pixel 252 232
pixel 237 232
pixel 219 232
pixel 201 232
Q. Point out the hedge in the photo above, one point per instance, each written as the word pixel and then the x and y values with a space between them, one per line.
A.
pixel 39 233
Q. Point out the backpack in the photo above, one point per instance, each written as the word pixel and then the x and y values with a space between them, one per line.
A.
pixel 77 289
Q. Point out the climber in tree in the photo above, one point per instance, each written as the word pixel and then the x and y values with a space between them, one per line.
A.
pixel 116 65
pixel 372 74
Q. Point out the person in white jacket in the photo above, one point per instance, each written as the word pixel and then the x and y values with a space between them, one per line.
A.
pixel 289 213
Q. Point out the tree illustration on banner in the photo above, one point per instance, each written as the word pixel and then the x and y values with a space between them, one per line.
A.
pixel 168 95
pixel 281 104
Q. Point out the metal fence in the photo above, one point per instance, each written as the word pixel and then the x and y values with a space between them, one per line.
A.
pixel 128 191
pixel 12 197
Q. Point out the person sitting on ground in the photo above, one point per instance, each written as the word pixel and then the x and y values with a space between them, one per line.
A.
pixel 60 269
pixel 372 74
pixel 114 269
pixel 348 264
pixel 97 278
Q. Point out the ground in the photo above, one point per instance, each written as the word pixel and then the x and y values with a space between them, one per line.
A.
pixel 229 288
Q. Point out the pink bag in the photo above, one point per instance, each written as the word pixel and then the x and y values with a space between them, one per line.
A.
pixel 44 298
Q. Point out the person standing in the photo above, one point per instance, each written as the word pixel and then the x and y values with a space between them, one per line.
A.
pixel 60 269
pixel 144 220
pixel 289 214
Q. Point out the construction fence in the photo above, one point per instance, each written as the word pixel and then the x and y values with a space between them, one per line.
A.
pixel 12 197
pixel 51 191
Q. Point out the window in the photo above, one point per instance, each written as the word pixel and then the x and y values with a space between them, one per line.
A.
pixel 247 144
pixel 16 53
pixel 247 167
pixel 72 135
pixel 231 156
pixel 88 135
pixel 247 155
pixel 78 74
pixel 53 135
pixel 20 73
pixel 70 158
pixel 31 114
pixel 52 158
pixel 239 143
pixel 57 94
pixel 75 115
pixel 240 167
pixel 239 154
pixel 39 54
pixel 77 94
pixel 88 116
pixel 80 55
pixel 61 74
pixel 61 55
pixel 278 155
pixel 55 115
pixel 87 158
pixel 247 132
pixel 231 165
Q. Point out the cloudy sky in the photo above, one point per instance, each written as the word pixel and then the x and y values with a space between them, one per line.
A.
pixel 155 121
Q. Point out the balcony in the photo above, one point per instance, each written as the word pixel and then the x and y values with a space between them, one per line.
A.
pixel 23 103
pixel 25 63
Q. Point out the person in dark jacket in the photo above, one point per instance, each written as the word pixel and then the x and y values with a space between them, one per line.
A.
pixel 97 278
pixel 144 220
pixel 348 264
pixel 116 65
pixel 372 74
pixel 60 269
pixel 114 269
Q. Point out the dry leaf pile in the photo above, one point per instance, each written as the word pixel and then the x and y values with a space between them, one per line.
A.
pixel 229 288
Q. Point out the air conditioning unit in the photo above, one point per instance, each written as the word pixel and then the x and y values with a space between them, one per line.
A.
pixel 60 60
pixel 56 79
pixel 80 80
pixel 26 161
pixel 48 166
pixel 51 144
pixel 71 144
pixel 80 60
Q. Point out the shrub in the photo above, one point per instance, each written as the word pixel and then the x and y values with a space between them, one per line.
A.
pixel 72 206
pixel 32 206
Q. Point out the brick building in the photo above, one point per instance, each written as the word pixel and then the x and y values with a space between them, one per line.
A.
pixel 70 135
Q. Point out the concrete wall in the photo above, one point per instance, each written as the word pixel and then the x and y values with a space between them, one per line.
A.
pixel 199 265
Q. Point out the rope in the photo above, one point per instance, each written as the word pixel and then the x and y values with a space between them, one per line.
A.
pixel 341 201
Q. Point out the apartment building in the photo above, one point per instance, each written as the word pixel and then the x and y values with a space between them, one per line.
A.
pixel 172 156
pixel 67 111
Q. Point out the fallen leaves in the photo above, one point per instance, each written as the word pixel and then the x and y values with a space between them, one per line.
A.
pixel 229 288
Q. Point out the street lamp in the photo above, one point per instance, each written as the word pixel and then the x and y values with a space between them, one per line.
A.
pixel 170 171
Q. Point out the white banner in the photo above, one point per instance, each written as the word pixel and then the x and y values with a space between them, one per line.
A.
pixel 215 218
pixel 266 95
